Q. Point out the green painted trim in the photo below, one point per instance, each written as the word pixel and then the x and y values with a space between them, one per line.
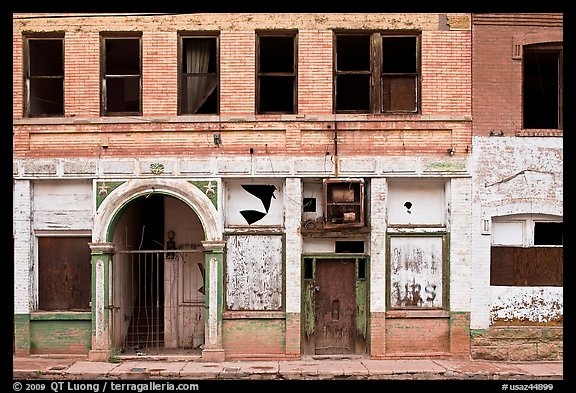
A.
pixel 22 332
pixel 103 189
pixel 93 300
pixel 209 189
pixel 476 332
pixel 445 166
pixel 61 316
pixel 361 299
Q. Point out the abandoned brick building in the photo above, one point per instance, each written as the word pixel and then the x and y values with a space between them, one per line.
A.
pixel 282 185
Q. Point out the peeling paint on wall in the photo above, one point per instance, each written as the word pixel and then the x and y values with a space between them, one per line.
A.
pixel 526 305
pixel 416 272
pixel 254 272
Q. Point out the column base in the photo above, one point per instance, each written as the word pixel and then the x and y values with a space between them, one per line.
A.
pixel 98 355
pixel 213 355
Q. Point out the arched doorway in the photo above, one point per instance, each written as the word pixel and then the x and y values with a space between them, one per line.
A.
pixel 156 276
pixel 157 296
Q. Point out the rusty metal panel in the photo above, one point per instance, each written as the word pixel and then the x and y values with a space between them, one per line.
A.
pixel 531 266
pixel 64 273
pixel 416 272
pixel 254 272
pixel 335 306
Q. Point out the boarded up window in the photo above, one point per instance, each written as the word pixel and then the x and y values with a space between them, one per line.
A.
pixel 528 266
pixel 416 272
pixel 64 273
pixel 254 277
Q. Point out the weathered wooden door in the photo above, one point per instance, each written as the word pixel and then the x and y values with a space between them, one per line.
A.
pixel 334 331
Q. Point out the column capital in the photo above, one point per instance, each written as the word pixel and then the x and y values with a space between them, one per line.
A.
pixel 101 248
pixel 214 245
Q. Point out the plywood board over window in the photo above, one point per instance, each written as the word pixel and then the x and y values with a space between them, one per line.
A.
pixel 254 272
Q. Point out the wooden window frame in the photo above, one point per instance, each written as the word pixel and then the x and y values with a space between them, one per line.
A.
pixel 376 99
pixel 357 205
pixel 293 75
pixel 104 37
pixel 27 90
pixel 182 75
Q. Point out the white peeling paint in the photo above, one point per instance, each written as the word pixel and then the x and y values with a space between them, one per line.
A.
pixel 100 344
pixel 213 307
pixel 534 304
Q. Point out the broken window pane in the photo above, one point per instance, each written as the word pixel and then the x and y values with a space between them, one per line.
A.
pixel 353 53
pixel 276 74
pixel 541 88
pixel 199 81
pixel 45 77
pixel 276 94
pixel 353 92
pixel 398 54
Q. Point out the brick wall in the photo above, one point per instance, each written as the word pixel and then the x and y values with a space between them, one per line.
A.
pixel 159 73
pixel 237 73
pixel 518 343
pixel 497 87
pixel 82 74
pixel 315 72
pixel 260 338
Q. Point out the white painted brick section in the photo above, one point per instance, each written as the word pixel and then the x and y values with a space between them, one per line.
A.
pixel 293 209
pixel 378 195
pixel 22 212
pixel 511 176
pixel 460 243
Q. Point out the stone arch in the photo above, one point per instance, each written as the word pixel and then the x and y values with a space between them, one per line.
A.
pixel 109 211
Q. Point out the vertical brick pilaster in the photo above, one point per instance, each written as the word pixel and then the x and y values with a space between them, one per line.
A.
pixel 460 335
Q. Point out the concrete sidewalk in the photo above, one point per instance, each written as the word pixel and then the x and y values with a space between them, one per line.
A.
pixel 36 367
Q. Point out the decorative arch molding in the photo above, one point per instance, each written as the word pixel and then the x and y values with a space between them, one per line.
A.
pixel 118 199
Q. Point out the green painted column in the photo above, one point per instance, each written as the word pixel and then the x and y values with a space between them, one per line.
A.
pixel 214 254
pixel 101 263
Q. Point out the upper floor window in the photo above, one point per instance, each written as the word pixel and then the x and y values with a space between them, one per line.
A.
pixel 44 76
pixel 276 70
pixel 198 75
pixel 542 84
pixel 121 75
pixel 376 73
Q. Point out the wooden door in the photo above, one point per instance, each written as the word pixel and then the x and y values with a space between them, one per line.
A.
pixel 334 331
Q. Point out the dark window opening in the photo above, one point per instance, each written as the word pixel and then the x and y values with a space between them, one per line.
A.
pixel 526 266
pixel 354 247
pixel 309 205
pixel 199 76
pixel 376 73
pixel 64 273
pixel 45 77
pixel 542 98
pixel 548 234
pixel 353 53
pixel 276 74
pixel 308 268
pixel 122 76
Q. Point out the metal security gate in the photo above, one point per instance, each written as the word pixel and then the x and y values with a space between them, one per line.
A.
pixel 158 300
